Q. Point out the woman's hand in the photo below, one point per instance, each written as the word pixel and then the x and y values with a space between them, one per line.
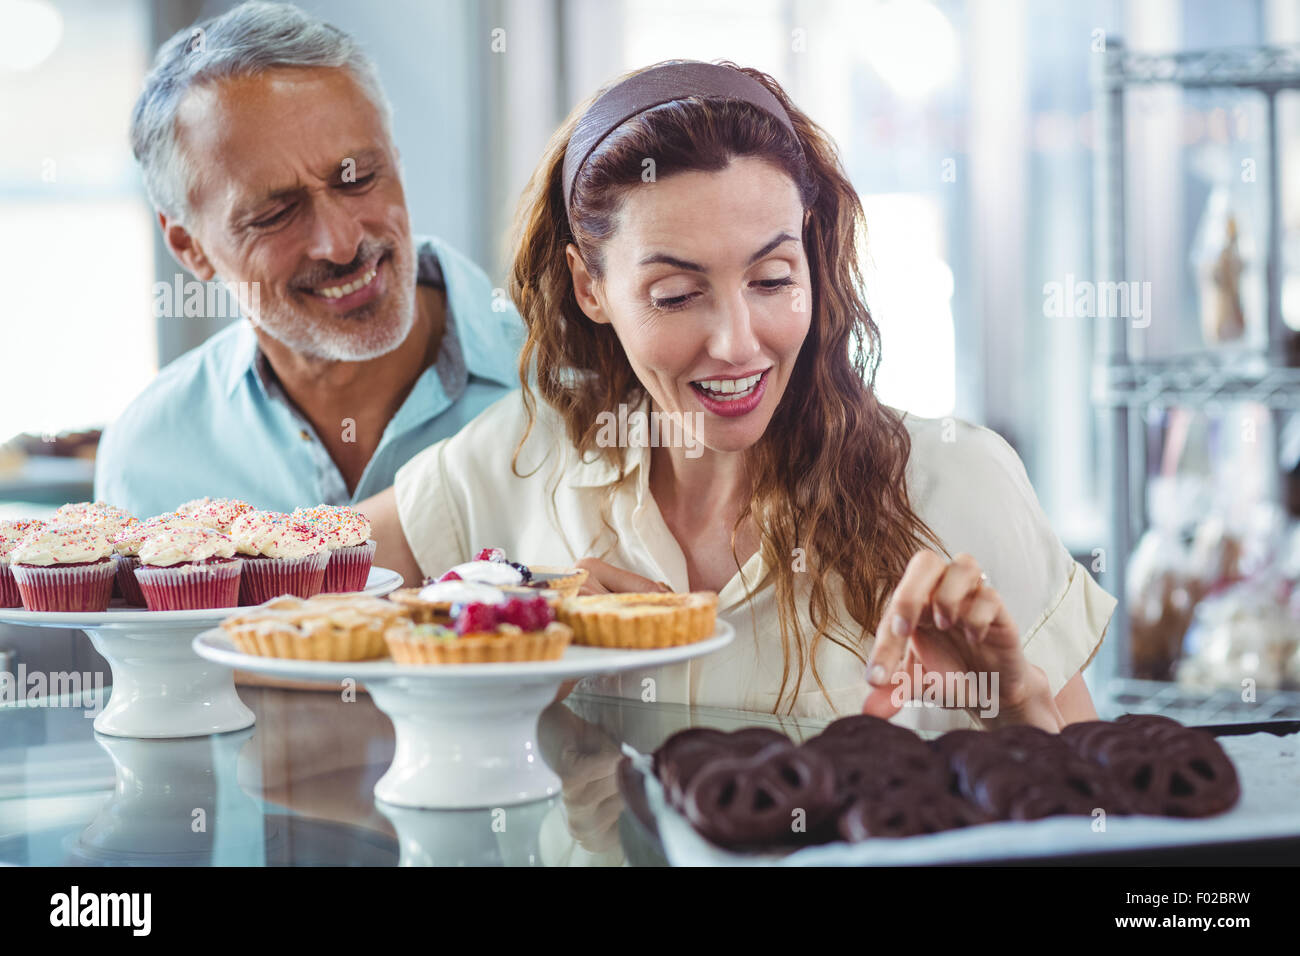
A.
pixel 585 757
pixel 604 578
pixel 943 619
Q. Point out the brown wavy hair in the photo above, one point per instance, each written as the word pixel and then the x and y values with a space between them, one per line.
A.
pixel 827 476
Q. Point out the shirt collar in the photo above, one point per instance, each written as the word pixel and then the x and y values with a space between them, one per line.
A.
pixel 243 357
pixel 602 468
pixel 491 333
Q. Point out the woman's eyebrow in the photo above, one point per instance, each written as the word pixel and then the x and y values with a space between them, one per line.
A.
pixel 660 258
pixel 778 240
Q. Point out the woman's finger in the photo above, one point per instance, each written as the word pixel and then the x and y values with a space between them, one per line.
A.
pixel 602 577
pixel 902 614
pixel 980 613
pixel 960 581
pixel 884 702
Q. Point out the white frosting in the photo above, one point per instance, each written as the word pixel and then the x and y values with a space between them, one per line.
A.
pixel 275 535
pixel 63 544
pixel 183 545
pixel 462 592
pixel 489 572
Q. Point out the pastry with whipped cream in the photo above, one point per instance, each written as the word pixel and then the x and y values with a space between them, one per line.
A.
pixel 218 513
pixel 76 511
pixel 283 555
pixel 11 535
pixel 108 519
pixel 64 567
pixel 490 566
pixel 347 532
pixel 184 568
pixel 437 602
pixel 127 543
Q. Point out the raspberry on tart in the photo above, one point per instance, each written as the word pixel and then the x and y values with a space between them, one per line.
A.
pixel 520 629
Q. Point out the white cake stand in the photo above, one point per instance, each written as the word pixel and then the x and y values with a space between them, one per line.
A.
pixel 466 734
pixel 151 818
pixel 161 688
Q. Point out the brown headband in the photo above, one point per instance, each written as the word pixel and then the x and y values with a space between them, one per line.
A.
pixel 655 87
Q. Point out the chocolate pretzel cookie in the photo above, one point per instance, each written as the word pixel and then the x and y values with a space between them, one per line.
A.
pixel 687 752
pixel 872 756
pixel 1020 756
pixel 755 801
pixel 906 811
pixel 1014 791
pixel 1166 769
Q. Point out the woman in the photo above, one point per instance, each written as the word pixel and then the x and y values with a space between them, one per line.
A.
pixel 689 247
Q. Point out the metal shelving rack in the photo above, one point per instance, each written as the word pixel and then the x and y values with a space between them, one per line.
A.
pixel 1125 386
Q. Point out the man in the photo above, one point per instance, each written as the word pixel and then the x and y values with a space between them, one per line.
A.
pixel 264 139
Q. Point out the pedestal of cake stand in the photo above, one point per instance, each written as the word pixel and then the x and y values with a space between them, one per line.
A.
pixel 161 688
pixel 464 745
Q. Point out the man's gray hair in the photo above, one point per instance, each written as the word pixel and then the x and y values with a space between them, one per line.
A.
pixel 251 38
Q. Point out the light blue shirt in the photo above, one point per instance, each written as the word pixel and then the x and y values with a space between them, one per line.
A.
pixel 216 422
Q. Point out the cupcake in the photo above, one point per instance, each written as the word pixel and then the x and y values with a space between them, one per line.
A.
pixel 521 629
pixel 490 566
pixel 111 521
pixel 216 513
pixel 284 556
pixel 75 511
pixel 107 518
pixel 435 603
pixel 127 543
pixel 347 531
pixel 64 567
pixel 328 627
pixel 640 620
pixel 182 569
pixel 11 535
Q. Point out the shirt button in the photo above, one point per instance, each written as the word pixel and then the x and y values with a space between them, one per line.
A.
pixel 305 436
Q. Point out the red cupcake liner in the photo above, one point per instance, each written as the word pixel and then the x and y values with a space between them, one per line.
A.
pixel 125 580
pixel 65 587
pixel 349 567
pixel 9 596
pixel 266 578
pixel 187 587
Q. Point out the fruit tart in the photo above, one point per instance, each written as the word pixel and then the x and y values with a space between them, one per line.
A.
pixel 490 566
pixel 439 602
pixel 520 629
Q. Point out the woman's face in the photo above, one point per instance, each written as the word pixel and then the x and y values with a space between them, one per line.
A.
pixel 707 287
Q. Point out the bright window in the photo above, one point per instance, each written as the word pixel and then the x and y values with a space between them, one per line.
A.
pixel 76 236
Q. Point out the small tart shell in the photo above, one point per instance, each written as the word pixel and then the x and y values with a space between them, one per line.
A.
pixel 633 620
pixel 421 611
pixel 565 581
pixel 478 647
pixel 326 628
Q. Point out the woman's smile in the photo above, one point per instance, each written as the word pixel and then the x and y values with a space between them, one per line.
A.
pixel 731 396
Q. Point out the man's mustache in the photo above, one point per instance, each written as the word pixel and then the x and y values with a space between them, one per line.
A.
pixel 324 272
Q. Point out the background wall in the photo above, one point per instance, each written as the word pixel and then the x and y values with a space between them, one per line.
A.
pixel 965 124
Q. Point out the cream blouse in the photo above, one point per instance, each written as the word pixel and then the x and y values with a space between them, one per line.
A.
pixel 964 481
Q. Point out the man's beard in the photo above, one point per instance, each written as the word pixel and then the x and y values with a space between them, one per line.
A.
pixel 367 332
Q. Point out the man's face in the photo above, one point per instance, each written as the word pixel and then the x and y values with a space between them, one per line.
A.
pixel 296 187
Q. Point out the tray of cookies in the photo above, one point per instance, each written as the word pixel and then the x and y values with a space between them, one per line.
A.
pixel 867 792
